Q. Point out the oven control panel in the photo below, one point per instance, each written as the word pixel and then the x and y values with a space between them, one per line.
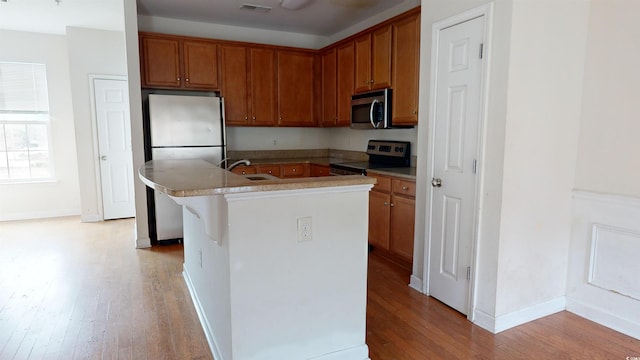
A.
pixel 389 148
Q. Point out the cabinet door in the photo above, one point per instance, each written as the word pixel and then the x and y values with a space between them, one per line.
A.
pixel 381 58
pixel 379 219
pixel 295 89
pixel 161 65
pixel 405 70
pixel 233 61
pixel 345 70
pixel 200 65
pixel 362 63
pixel 262 82
pixel 329 88
pixel 402 224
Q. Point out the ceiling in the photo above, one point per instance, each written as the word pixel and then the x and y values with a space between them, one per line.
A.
pixel 315 17
pixel 47 16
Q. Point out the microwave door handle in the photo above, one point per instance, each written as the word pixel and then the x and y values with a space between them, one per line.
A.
pixel 373 104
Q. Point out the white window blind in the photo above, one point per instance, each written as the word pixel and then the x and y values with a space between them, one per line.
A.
pixel 24 123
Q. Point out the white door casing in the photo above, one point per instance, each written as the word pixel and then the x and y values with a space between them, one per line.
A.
pixel 114 147
pixel 456 123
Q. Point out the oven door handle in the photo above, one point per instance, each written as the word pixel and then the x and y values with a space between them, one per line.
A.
pixel 373 104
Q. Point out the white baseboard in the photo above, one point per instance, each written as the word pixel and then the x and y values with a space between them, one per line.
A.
pixel 416 283
pixel 143 243
pixel 484 320
pixel 356 353
pixel 206 327
pixel 604 317
pixel 30 215
pixel 513 319
pixel 90 218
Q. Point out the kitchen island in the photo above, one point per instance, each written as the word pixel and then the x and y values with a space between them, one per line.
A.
pixel 277 269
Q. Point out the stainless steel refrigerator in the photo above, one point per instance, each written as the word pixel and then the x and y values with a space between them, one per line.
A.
pixel 183 127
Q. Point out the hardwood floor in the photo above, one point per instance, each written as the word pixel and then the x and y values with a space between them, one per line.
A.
pixel 70 290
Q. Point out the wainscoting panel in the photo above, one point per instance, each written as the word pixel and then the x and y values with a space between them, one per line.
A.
pixel 603 282
pixel 615 260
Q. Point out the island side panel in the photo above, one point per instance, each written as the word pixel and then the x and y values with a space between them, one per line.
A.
pixel 206 270
pixel 292 299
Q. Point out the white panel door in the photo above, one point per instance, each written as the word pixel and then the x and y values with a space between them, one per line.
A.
pixel 114 146
pixel 457 116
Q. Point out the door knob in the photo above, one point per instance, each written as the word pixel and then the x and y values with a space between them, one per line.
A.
pixel 103 157
pixel 436 182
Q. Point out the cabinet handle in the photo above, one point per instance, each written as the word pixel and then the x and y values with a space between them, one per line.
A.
pixel 294 170
pixel 371 81
pixel 253 118
pixel 178 79
pixel 187 79
pixel 414 112
pixel 392 205
pixel 386 203
pixel 405 188
pixel 246 117
pixel 270 171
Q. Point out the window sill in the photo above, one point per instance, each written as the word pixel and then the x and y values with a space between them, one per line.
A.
pixel 29 182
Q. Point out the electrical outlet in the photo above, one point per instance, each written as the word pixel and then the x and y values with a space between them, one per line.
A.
pixel 305 229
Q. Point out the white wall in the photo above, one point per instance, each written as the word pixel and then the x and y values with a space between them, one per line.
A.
pixel 603 283
pixel 548 44
pixel 608 147
pixel 137 135
pixel 91 52
pixel 60 197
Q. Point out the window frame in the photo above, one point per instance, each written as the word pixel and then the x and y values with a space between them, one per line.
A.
pixel 39 117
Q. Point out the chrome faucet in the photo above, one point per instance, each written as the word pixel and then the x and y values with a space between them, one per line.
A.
pixel 239 162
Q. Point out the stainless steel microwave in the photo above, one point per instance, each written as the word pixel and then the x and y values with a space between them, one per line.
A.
pixel 371 110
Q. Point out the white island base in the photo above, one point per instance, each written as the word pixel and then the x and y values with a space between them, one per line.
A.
pixel 261 291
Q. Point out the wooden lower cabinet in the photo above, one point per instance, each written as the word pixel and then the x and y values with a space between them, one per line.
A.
pixel 244 169
pixel 274 170
pixel 392 217
pixel 320 170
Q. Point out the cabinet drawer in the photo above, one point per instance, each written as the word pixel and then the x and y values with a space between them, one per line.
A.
pixel 293 170
pixel 268 169
pixel 244 170
pixel 404 187
pixel 319 170
pixel 383 184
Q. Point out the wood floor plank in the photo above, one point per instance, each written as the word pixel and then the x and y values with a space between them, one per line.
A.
pixel 72 290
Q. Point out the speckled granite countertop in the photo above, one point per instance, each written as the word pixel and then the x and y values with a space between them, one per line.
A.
pixel 183 178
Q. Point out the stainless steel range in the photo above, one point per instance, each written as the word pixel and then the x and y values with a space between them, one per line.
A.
pixel 382 154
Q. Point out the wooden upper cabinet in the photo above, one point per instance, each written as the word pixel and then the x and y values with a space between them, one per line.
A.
pixel 200 61
pixel 171 62
pixel 262 86
pixel 161 62
pixel 381 58
pixel 363 63
pixel 373 60
pixel 345 55
pixel 233 73
pixel 296 88
pixel 406 70
pixel 329 115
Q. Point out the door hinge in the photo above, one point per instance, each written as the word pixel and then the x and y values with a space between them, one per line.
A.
pixel 475 166
pixel 481 50
pixel 468 272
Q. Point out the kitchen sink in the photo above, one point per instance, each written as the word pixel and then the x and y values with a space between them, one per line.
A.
pixel 255 177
